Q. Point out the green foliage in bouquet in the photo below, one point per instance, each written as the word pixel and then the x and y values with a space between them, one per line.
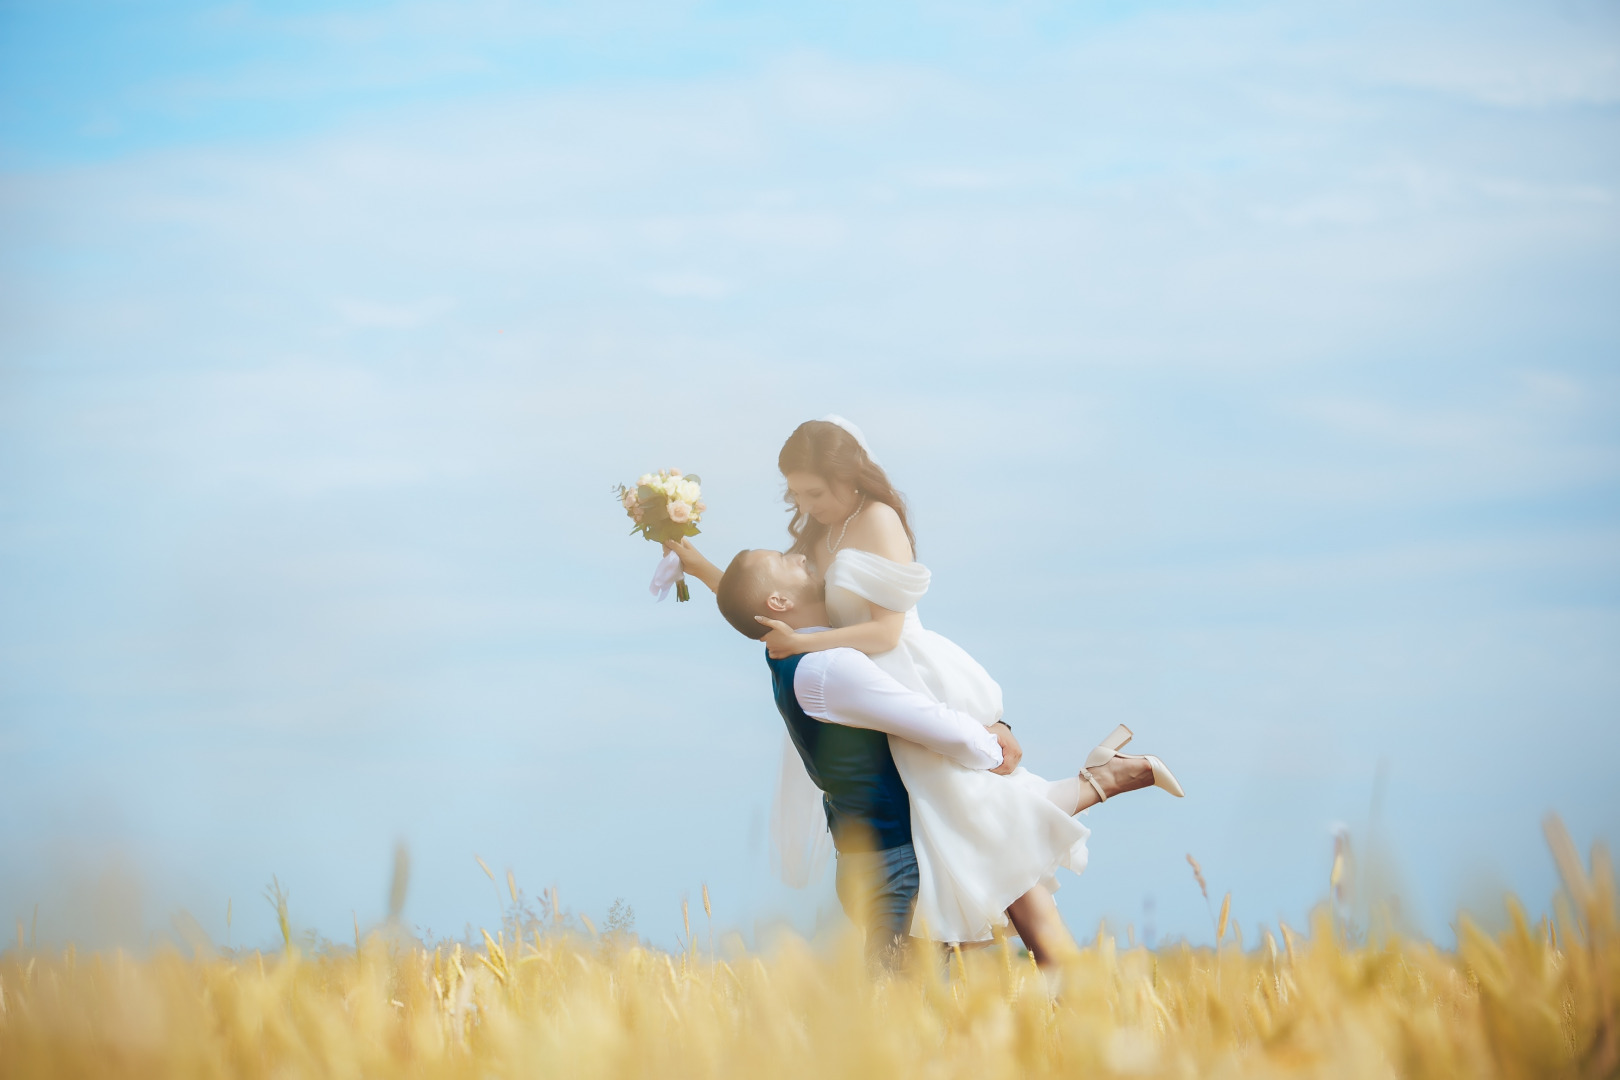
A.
pixel 654 523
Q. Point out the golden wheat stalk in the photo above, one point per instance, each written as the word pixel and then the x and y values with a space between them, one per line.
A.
pixel 1533 999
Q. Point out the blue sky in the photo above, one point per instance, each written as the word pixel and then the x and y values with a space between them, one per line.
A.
pixel 1251 369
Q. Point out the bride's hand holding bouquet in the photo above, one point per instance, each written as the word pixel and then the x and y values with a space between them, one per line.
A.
pixel 694 562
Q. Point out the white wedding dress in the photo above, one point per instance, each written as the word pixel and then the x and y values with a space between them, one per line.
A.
pixel 982 840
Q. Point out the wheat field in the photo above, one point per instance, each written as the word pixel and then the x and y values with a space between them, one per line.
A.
pixel 1535 1000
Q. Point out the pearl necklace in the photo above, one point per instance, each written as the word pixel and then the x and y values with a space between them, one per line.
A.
pixel 832 548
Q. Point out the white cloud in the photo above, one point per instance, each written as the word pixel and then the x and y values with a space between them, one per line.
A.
pixel 1380 421
pixel 692 284
pixel 1518 56
pixel 371 314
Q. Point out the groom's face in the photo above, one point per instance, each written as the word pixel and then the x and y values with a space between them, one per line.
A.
pixel 793 576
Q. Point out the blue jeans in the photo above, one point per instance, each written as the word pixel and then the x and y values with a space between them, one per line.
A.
pixel 878 890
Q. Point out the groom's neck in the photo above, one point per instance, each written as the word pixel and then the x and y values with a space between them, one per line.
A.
pixel 804 615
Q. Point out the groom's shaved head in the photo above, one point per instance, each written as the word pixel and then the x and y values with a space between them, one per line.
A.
pixel 743 590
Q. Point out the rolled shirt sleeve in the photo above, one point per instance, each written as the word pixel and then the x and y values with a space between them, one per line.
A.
pixel 844 686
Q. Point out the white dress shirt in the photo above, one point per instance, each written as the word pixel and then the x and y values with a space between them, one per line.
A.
pixel 844 686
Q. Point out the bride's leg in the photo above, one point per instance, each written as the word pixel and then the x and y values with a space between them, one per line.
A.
pixel 1123 772
pixel 1035 916
pixel 1066 795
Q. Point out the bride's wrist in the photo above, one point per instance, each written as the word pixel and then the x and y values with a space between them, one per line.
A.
pixel 801 643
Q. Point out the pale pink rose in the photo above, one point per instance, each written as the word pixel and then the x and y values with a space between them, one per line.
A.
pixel 629 499
pixel 636 512
pixel 675 472
pixel 701 506
pixel 679 511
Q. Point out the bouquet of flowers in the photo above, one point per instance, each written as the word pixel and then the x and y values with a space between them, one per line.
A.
pixel 665 506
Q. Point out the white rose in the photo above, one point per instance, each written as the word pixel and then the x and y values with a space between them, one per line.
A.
pixel 688 491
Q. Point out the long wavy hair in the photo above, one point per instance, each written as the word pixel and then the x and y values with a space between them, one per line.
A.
pixel 826 450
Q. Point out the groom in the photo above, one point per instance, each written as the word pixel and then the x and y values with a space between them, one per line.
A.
pixel 840 708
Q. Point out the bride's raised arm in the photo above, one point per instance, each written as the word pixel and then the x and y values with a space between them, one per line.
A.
pixel 695 563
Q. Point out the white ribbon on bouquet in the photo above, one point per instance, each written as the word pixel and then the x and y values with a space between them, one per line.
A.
pixel 666 574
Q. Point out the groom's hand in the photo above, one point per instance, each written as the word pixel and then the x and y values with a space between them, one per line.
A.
pixel 1011 752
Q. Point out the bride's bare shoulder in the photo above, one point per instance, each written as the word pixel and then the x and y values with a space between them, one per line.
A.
pixel 879 531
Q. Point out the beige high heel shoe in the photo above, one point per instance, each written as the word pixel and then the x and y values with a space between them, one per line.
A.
pixel 1109 748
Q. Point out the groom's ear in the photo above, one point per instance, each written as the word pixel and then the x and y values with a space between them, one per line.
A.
pixel 778 604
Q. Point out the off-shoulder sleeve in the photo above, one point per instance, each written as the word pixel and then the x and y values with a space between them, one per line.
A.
pixel 884 582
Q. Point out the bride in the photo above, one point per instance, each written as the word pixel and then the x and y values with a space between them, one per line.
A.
pixel 987 845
